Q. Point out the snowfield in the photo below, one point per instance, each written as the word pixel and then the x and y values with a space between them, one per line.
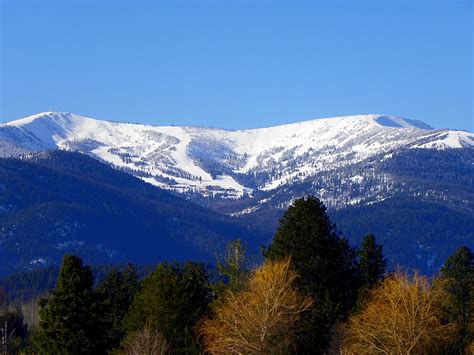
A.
pixel 226 163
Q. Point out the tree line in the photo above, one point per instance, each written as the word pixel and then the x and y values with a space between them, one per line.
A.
pixel 313 294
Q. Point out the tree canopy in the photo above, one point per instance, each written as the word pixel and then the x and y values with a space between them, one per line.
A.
pixel 172 300
pixel 325 263
pixel 68 315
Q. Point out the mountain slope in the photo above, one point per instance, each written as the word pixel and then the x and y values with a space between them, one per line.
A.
pixel 419 203
pixel 227 163
pixel 57 202
pixel 389 175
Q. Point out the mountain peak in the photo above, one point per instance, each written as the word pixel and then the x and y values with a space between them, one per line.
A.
pixel 41 117
pixel 400 122
pixel 381 120
pixel 393 121
pixel 209 161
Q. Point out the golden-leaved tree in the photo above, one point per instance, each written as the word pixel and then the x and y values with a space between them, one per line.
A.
pixel 401 316
pixel 261 319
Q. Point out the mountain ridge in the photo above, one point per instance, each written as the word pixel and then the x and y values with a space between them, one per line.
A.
pixel 39 115
pixel 214 161
pixel 393 176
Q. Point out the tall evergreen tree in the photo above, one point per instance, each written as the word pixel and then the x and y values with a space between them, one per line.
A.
pixel 372 263
pixel 372 267
pixel 233 268
pixel 325 263
pixel 172 299
pixel 116 294
pixel 458 274
pixel 69 323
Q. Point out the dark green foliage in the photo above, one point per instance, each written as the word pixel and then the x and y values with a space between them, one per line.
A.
pixel 458 273
pixel 372 263
pixel 12 322
pixel 28 285
pixel 69 321
pixel 372 267
pixel 325 263
pixel 173 299
pixel 426 216
pixel 116 294
pixel 233 268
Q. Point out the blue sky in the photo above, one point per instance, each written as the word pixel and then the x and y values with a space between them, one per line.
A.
pixel 238 64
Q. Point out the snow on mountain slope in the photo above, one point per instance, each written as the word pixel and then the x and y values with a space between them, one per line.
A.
pixel 227 163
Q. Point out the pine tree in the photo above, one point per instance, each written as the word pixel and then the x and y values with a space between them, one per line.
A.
pixel 116 294
pixel 372 263
pixel 172 299
pixel 233 267
pixel 458 274
pixel 325 263
pixel 69 323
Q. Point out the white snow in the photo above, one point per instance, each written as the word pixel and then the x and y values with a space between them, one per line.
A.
pixel 287 153
pixel 449 139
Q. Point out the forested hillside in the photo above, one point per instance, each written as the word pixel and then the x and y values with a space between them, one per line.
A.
pixel 419 202
pixel 399 178
pixel 59 202
pixel 313 293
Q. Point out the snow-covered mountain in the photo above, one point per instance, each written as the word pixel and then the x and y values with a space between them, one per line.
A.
pixel 227 163
pixel 409 184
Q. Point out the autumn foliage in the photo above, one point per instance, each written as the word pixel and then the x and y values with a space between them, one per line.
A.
pixel 401 316
pixel 260 319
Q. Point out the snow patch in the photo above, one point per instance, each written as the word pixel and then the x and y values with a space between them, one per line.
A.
pixel 218 162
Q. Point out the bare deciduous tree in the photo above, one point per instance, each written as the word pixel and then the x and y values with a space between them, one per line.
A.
pixel 147 341
pixel 401 316
pixel 30 311
pixel 262 318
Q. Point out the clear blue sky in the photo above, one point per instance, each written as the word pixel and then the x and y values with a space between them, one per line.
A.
pixel 238 64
